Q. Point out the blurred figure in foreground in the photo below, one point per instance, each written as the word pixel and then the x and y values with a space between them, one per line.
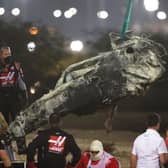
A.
pixel 166 141
pixel 166 138
pixel 96 157
pixel 13 91
pixel 53 146
pixel 149 149
pixel 4 156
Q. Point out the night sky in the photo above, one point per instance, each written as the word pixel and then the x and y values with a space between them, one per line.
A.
pixel 85 23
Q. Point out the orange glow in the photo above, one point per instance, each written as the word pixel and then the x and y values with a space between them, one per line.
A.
pixel 33 31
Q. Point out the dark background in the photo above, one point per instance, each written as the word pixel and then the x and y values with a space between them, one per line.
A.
pixel 52 54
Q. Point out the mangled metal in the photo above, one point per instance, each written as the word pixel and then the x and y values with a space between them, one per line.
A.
pixel 128 69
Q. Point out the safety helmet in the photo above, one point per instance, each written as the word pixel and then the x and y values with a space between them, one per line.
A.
pixel 96 150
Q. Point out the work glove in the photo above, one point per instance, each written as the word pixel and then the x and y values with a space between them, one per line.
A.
pixel 31 165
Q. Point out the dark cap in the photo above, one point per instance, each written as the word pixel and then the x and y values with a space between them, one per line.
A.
pixel 153 119
pixel 54 118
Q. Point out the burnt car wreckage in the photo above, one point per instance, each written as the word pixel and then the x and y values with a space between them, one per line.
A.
pixel 129 69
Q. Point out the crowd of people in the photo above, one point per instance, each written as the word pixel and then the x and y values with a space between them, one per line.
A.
pixel 149 149
pixel 52 145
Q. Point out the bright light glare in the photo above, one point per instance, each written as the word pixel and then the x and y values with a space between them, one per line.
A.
pixel 15 11
pixel 76 45
pixel 161 15
pixel 57 13
pixel 102 14
pixel 31 46
pixel 73 11
pixel 2 11
pixel 32 90
pixel 68 14
pixel 151 5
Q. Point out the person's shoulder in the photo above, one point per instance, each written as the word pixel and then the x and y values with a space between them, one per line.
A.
pixel 66 133
pixel 138 139
pixel 41 132
pixel 114 162
pixel 155 135
pixel 161 139
pixel 69 137
pixel 86 154
pixel 140 136
pixel 57 132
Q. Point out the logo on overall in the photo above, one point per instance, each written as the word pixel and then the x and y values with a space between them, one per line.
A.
pixel 56 144
pixel 7 78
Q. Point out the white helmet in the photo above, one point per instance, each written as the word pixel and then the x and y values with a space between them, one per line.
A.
pixel 96 150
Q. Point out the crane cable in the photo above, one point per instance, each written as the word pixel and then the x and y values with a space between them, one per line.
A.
pixel 127 19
